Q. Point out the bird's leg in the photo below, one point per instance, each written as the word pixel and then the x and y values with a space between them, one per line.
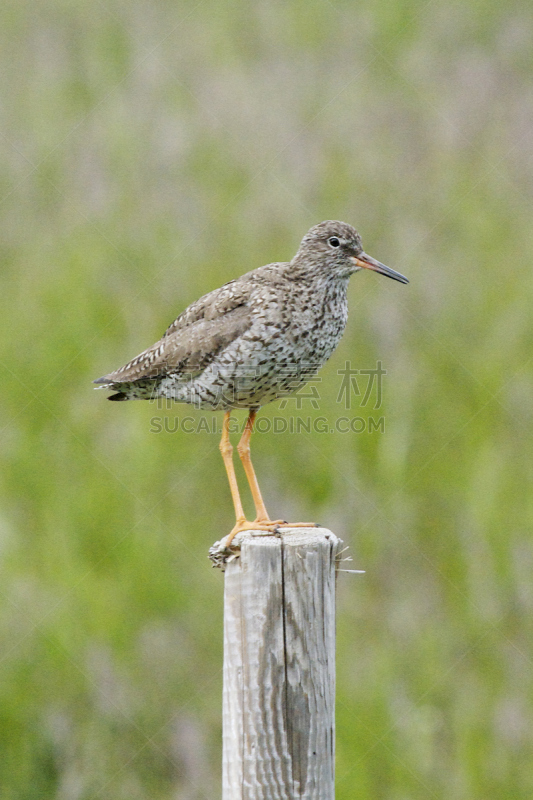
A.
pixel 262 521
pixel 241 524
pixel 226 448
pixel 243 449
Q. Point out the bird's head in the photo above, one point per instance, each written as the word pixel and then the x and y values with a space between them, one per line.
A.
pixel 335 248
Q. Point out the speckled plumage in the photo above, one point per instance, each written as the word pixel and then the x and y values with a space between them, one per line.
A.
pixel 259 337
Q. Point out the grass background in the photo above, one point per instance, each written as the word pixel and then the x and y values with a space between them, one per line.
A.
pixel 148 153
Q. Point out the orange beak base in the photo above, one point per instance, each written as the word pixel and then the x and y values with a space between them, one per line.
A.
pixel 367 262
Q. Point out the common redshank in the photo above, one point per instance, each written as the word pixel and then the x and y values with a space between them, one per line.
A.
pixel 257 338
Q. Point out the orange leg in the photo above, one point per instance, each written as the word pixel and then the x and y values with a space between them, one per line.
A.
pixel 243 449
pixel 226 449
pixel 241 524
pixel 262 520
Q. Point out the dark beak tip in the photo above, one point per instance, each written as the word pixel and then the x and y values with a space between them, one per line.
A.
pixel 396 276
pixel 364 260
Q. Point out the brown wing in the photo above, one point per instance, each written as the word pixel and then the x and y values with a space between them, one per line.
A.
pixel 213 305
pixel 194 338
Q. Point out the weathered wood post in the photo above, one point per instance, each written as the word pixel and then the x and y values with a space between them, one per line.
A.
pixel 279 666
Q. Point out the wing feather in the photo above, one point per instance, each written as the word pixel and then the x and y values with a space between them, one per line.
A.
pixel 202 331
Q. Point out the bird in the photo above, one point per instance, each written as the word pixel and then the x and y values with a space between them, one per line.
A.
pixel 257 338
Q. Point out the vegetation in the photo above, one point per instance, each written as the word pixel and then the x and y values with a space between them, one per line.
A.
pixel 150 152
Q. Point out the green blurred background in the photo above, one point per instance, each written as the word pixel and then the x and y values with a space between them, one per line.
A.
pixel 150 152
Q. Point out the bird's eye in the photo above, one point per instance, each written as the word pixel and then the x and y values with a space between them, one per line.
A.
pixel 334 242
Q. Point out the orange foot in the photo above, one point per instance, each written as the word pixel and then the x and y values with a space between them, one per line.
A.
pixel 267 525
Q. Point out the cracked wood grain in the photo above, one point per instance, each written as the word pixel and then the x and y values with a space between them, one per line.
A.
pixel 279 667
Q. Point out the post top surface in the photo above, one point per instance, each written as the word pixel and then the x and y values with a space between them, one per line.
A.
pixel 289 537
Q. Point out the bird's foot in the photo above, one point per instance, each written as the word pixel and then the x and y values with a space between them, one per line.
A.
pixel 299 525
pixel 266 525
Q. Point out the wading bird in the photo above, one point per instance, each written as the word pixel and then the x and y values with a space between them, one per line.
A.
pixel 257 338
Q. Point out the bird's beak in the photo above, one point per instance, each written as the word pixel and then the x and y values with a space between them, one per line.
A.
pixel 367 262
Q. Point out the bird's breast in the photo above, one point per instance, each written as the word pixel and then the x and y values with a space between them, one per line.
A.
pixel 301 325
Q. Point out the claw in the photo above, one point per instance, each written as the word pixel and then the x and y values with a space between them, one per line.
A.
pixel 267 525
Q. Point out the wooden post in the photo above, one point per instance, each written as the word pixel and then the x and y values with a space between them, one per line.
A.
pixel 279 667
